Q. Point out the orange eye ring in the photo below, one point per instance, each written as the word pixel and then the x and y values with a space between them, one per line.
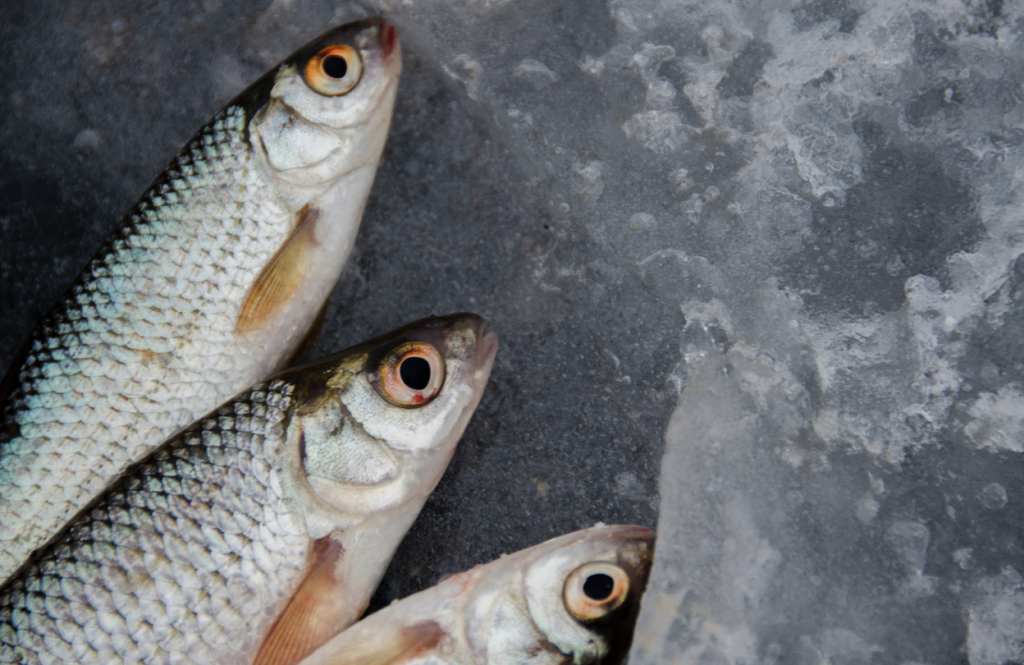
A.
pixel 335 70
pixel 411 375
pixel 595 590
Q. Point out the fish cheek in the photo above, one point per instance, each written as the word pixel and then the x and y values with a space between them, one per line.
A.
pixel 543 587
pixel 334 446
pixel 513 638
pixel 291 142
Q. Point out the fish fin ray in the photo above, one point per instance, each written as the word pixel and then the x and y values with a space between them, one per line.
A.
pixel 280 278
pixel 387 649
pixel 311 616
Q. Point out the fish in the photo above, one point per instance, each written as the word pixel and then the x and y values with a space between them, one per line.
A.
pixel 210 284
pixel 262 530
pixel 572 599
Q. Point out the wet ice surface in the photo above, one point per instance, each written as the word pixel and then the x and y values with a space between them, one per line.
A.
pixel 798 224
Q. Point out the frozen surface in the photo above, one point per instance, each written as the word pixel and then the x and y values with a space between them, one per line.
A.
pixel 797 223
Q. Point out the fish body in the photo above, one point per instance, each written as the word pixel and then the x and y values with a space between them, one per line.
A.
pixel 573 599
pixel 209 286
pixel 263 529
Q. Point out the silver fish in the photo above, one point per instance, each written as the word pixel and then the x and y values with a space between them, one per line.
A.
pixel 260 531
pixel 573 599
pixel 209 286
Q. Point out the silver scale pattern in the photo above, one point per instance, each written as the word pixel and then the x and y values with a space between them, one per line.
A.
pixel 185 559
pixel 144 342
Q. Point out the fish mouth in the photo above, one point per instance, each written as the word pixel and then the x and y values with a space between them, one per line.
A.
pixel 389 46
pixel 486 350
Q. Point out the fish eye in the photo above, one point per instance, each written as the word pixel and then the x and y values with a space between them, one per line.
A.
pixel 411 374
pixel 595 590
pixel 598 586
pixel 335 70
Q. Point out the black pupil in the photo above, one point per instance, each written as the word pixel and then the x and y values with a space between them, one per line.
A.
pixel 598 586
pixel 335 66
pixel 415 373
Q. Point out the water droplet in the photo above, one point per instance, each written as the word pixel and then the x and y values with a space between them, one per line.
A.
pixel 963 557
pixel 910 541
pixel 994 496
pixel 867 508
pixel 88 139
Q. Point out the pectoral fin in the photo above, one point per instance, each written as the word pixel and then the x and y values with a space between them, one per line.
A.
pixel 313 615
pixel 282 277
pixel 383 646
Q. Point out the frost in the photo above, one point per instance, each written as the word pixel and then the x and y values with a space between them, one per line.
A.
pixel 867 508
pixel 996 620
pixel 998 420
pixel 660 131
pixel 535 72
pixel 467 71
pixel 87 139
pixel 627 486
pixel 643 221
pixel 589 184
pixel 994 497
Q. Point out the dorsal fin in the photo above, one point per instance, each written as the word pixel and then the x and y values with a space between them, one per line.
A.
pixel 282 277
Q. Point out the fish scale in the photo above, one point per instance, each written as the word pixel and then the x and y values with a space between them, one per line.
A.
pixel 179 548
pixel 64 397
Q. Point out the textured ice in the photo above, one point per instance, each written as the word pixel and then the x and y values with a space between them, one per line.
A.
pixel 790 231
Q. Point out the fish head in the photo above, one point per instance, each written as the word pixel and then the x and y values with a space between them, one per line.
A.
pixel 376 424
pixel 329 108
pixel 571 600
pixel 580 593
